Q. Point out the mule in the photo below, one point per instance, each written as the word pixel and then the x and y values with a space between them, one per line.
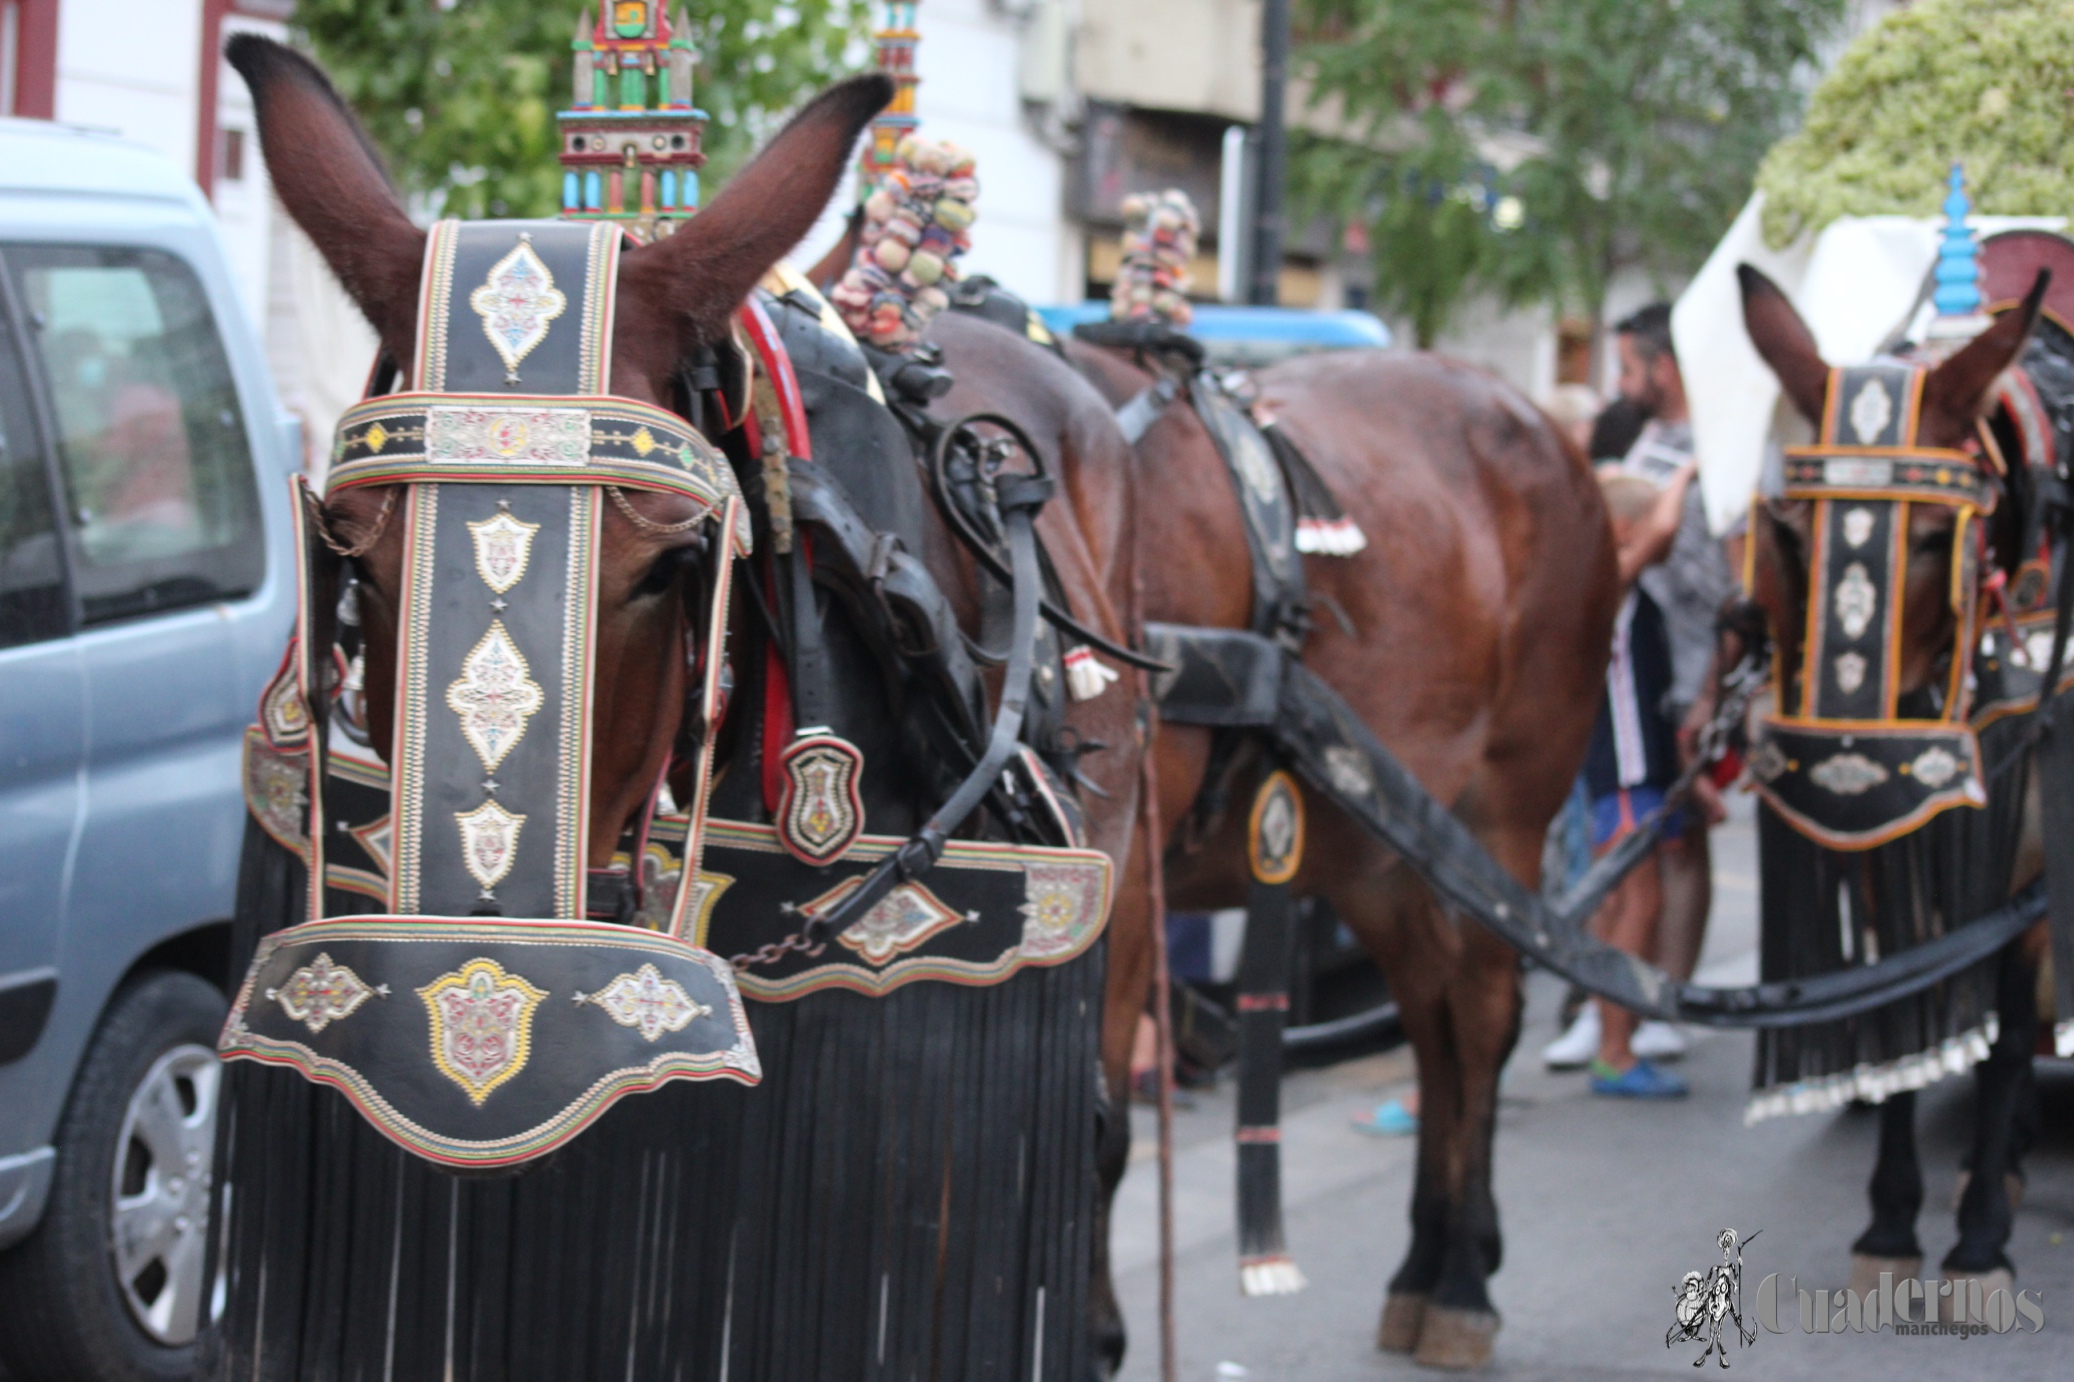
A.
pixel 1470 635
pixel 2004 840
pixel 676 302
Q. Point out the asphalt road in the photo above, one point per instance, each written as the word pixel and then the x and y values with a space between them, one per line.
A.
pixel 1604 1204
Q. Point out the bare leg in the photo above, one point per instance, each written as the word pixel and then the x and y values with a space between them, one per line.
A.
pixel 1688 897
pixel 1631 913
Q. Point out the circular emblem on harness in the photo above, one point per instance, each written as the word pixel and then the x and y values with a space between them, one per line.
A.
pixel 509 435
pixel 1274 834
pixel 820 814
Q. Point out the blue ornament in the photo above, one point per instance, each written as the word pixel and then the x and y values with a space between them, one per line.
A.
pixel 1958 270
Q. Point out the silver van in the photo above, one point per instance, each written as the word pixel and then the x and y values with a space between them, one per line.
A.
pixel 146 592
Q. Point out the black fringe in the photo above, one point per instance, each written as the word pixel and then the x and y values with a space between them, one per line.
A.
pixel 909 1194
pixel 1953 870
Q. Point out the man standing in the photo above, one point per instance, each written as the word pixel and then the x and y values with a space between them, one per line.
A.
pixel 1689 586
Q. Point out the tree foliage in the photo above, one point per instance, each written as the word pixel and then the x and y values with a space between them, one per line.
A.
pixel 1986 83
pixel 461 95
pixel 1535 148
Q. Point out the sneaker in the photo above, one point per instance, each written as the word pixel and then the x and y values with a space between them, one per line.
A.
pixel 1574 1049
pixel 1639 1081
pixel 1390 1119
pixel 1658 1041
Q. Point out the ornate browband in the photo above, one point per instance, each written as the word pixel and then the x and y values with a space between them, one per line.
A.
pixel 1918 474
pixel 412 438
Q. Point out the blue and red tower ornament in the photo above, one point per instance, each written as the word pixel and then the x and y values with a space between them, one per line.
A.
pixel 631 141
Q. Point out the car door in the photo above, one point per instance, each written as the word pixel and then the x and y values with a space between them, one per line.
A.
pixel 161 515
pixel 42 723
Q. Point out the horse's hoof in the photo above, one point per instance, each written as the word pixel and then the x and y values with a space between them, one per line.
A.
pixel 1402 1314
pixel 1865 1271
pixel 1957 1308
pixel 1451 1338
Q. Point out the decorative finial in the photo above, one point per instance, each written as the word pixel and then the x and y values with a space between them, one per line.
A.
pixel 1958 267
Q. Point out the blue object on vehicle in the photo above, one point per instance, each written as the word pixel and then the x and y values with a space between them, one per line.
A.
pixel 1264 332
pixel 147 588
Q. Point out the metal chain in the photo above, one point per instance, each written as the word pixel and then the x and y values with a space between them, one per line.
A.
pixel 801 940
pixel 635 517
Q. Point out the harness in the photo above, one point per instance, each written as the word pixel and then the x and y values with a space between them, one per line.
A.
pixel 476 1017
pixel 1849 768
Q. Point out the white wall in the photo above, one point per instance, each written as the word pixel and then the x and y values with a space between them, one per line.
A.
pixel 134 68
pixel 968 61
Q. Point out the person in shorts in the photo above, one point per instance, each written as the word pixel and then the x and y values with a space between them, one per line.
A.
pixel 1632 761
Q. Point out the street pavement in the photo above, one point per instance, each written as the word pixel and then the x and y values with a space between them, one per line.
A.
pixel 1605 1205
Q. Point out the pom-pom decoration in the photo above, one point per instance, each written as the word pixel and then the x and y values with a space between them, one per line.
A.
pixel 1160 230
pixel 916 224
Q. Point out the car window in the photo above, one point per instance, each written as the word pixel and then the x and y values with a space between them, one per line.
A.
pixel 32 571
pixel 151 445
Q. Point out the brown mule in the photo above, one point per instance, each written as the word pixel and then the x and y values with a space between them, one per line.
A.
pixel 676 296
pixel 1481 611
pixel 1956 395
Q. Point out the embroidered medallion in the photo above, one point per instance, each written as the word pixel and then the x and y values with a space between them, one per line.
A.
pixel 1274 836
pixel 482 1025
pixel 495 695
pixel 489 842
pixel 1857 598
pixel 1848 774
pixel 281 709
pixel 1850 672
pixel 277 790
pixel 516 303
pixel 647 1002
pixel 1858 526
pixel 321 993
pixel 1060 903
pixel 819 812
pixel 1766 760
pixel 902 921
pixel 1871 411
pixel 459 435
pixel 502 544
pixel 1935 766
pixel 374 837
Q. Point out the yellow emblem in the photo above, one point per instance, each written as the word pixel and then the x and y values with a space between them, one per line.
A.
pixel 644 442
pixel 482 1025
pixel 377 437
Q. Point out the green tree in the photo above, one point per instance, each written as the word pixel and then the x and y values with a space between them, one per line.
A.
pixel 461 95
pixel 1536 148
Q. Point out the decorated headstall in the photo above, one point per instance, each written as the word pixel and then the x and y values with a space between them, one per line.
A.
pixel 1846 766
pixel 479 1019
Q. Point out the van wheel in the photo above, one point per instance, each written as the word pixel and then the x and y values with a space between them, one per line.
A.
pixel 110 1287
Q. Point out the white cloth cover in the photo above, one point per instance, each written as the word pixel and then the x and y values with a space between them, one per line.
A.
pixel 1854 284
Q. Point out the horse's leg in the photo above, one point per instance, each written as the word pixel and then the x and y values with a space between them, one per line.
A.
pixel 1400 925
pixel 1896 1192
pixel 1484 1003
pixel 1984 1210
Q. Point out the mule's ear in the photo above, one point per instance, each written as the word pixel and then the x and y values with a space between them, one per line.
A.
pixel 327 174
pixel 702 273
pixel 1784 341
pixel 1956 390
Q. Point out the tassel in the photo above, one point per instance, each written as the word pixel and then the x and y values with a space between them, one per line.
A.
pixel 1329 537
pixel 1085 677
pixel 1274 850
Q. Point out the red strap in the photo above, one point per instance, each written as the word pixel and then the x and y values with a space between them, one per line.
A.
pixel 777 366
